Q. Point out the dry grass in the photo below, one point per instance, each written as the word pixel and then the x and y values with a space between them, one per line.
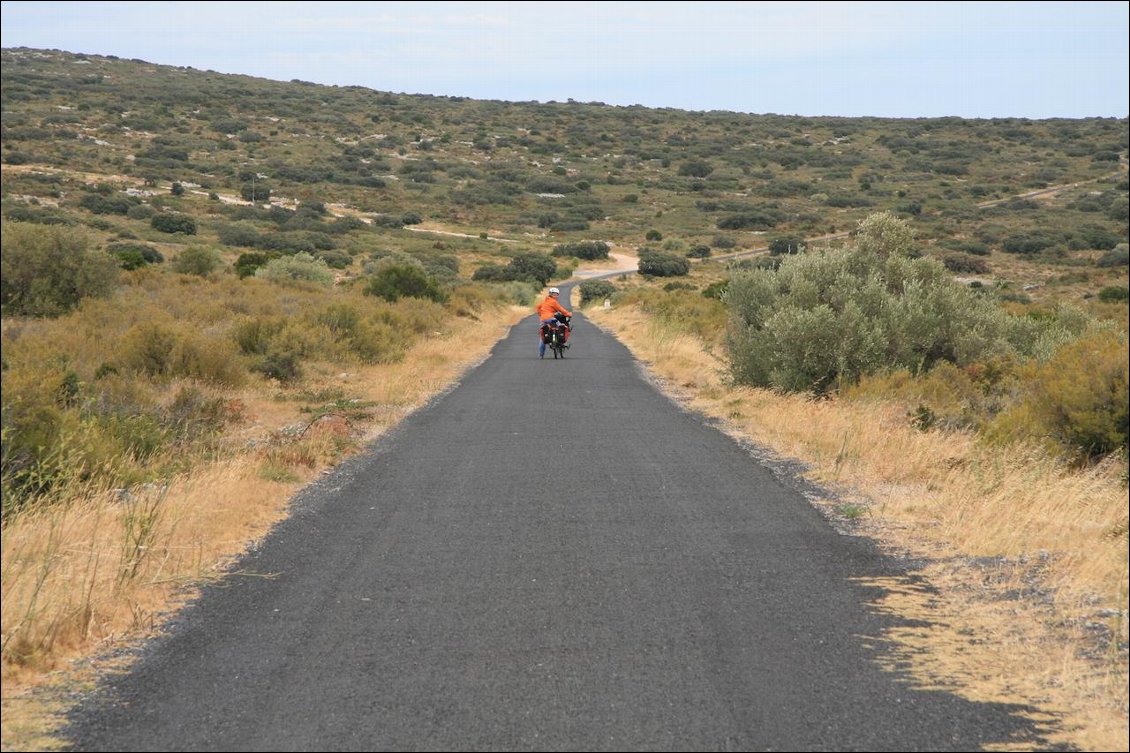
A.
pixel 88 574
pixel 1029 558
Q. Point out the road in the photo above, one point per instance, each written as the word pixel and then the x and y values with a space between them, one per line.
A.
pixel 1054 190
pixel 551 556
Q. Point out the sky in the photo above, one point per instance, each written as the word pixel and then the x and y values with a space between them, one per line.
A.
pixel 885 59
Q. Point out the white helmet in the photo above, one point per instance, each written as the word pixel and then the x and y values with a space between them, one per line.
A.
pixel 554 291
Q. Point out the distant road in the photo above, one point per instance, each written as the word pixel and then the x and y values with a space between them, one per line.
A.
pixel 1053 190
pixel 552 556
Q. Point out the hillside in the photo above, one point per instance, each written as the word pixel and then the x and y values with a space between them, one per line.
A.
pixel 80 127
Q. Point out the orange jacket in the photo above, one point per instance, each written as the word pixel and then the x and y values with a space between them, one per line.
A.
pixel 547 308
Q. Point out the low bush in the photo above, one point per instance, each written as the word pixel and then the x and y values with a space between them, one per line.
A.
pixel 98 204
pixel 822 321
pixel 395 281
pixel 48 270
pixel 658 264
pixel 962 264
pixel 780 246
pixel 1076 400
pixel 249 262
pixel 754 219
pixel 173 223
pixel 595 290
pixel 535 267
pixel 301 267
pixel 197 260
pixel 716 290
pixel 683 310
pixel 590 250
pixel 515 292
pixel 491 273
pixel 1114 294
pixel 134 255
pixel 166 350
pixel 1119 256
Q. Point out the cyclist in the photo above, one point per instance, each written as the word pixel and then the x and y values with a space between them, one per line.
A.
pixel 547 312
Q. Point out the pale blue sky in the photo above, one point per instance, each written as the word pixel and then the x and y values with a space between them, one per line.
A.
pixel 888 59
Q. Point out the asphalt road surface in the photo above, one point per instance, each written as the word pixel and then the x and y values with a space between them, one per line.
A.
pixel 551 556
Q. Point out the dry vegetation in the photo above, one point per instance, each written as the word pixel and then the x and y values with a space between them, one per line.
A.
pixel 105 567
pixel 1023 574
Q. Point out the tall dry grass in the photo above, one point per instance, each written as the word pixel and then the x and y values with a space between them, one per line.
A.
pixel 1030 556
pixel 105 566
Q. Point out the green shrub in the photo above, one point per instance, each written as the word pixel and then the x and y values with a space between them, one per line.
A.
pixel 696 168
pixel 197 260
pixel 134 255
pixel 537 268
pixel 779 246
pixel 395 281
pixel 98 204
pixel 590 250
pixel 47 270
pixel 569 225
pixel 821 321
pixel 491 273
pixel 658 264
pixel 1119 256
pixel 129 259
pixel 256 192
pixel 753 219
pixel 882 234
pixel 962 264
pixel 1030 242
pixel 36 215
pixel 1093 236
pixel 781 187
pixel 249 262
pixel 974 247
pixel 1119 209
pixel 387 220
pixel 716 290
pixel 595 290
pixel 301 267
pixel 239 234
pixel 335 258
pixel 173 223
pixel 1114 294
pixel 280 364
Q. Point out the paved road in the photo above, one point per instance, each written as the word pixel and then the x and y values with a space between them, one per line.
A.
pixel 552 556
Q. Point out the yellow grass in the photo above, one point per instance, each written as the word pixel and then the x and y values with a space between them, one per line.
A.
pixel 1029 558
pixel 86 575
